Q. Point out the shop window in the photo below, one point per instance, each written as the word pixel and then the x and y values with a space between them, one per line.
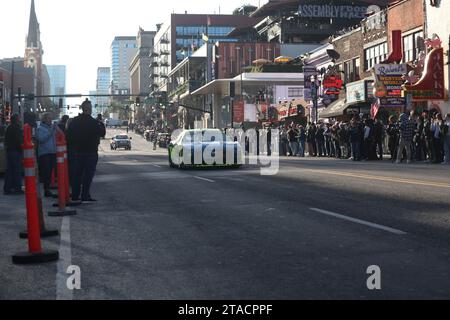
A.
pixel 375 55
pixel 351 70
pixel 295 92
pixel 412 45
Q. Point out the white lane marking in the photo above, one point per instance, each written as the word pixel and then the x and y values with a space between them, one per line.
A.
pixel 65 261
pixel 204 179
pixel 156 166
pixel 366 223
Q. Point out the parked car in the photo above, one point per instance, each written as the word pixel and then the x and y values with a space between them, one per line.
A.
pixel 121 141
pixel 113 123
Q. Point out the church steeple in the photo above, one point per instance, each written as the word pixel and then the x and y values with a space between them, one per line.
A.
pixel 33 37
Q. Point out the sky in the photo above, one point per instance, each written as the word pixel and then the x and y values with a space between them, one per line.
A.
pixel 78 33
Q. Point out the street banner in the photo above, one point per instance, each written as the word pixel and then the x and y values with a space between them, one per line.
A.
pixel 308 73
pixel 238 112
pixel 250 114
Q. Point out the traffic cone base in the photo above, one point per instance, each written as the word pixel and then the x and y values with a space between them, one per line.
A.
pixel 64 213
pixel 44 234
pixel 70 204
pixel 26 258
pixel 74 204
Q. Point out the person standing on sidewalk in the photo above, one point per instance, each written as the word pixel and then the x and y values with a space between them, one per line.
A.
pixel 62 125
pixel 13 144
pixel 301 141
pixel 293 140
pixel 378 137
pixel 46 138
pixel 84 133
pixel 438 146
pixel 446 133
pixel 407 130
pixel 393 134
pixel 320 140
pixel 355 140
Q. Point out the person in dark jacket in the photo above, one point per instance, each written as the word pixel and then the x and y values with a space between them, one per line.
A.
pixel 393 132
pixel 292 135
pixel 84 133
pixel 320 141
pixel 63 123
pixel 311 139
pixel 356 136
pixel 13 144
pixel 378 137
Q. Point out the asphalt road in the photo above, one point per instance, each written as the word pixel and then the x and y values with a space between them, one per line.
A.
pixel 309 232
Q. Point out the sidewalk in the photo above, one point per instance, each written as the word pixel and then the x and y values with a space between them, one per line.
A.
pixel 15 281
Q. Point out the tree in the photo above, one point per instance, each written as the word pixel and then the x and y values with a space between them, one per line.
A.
pixel 245 10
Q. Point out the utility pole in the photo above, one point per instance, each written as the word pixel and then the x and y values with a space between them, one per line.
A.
pixel 12 85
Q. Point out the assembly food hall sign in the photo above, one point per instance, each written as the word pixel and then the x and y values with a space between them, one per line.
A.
pixel 330 11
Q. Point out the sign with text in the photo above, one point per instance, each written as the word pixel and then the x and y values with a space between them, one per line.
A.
pixel 391 77
pixel 432 84
pixel 308 73
pixel 360 91
pixel 330 11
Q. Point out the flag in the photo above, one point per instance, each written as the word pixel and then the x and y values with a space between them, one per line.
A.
pixel 209 21
pixel 374 110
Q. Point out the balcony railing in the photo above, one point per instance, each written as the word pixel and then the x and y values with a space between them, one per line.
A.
pixel 154 54
pixel 165 41
pixel 165 52
pixel 187 86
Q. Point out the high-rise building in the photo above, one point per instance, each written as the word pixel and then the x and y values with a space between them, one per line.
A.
pixel 94 101
pixel 57 76
pixel 183 34
pixel 140 79
pixel 103 84
pixel 123 50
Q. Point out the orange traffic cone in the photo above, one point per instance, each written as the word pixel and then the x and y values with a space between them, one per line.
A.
pixel 60 154
pixel 35 253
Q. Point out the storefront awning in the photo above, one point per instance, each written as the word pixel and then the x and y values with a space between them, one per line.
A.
pixel 335 109
pixel 251 80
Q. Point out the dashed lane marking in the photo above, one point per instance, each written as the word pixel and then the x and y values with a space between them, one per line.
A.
pixel 362 222
pixel 204 179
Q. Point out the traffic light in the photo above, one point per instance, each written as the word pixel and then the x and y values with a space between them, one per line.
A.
pixel 61 103
pixel 138 100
